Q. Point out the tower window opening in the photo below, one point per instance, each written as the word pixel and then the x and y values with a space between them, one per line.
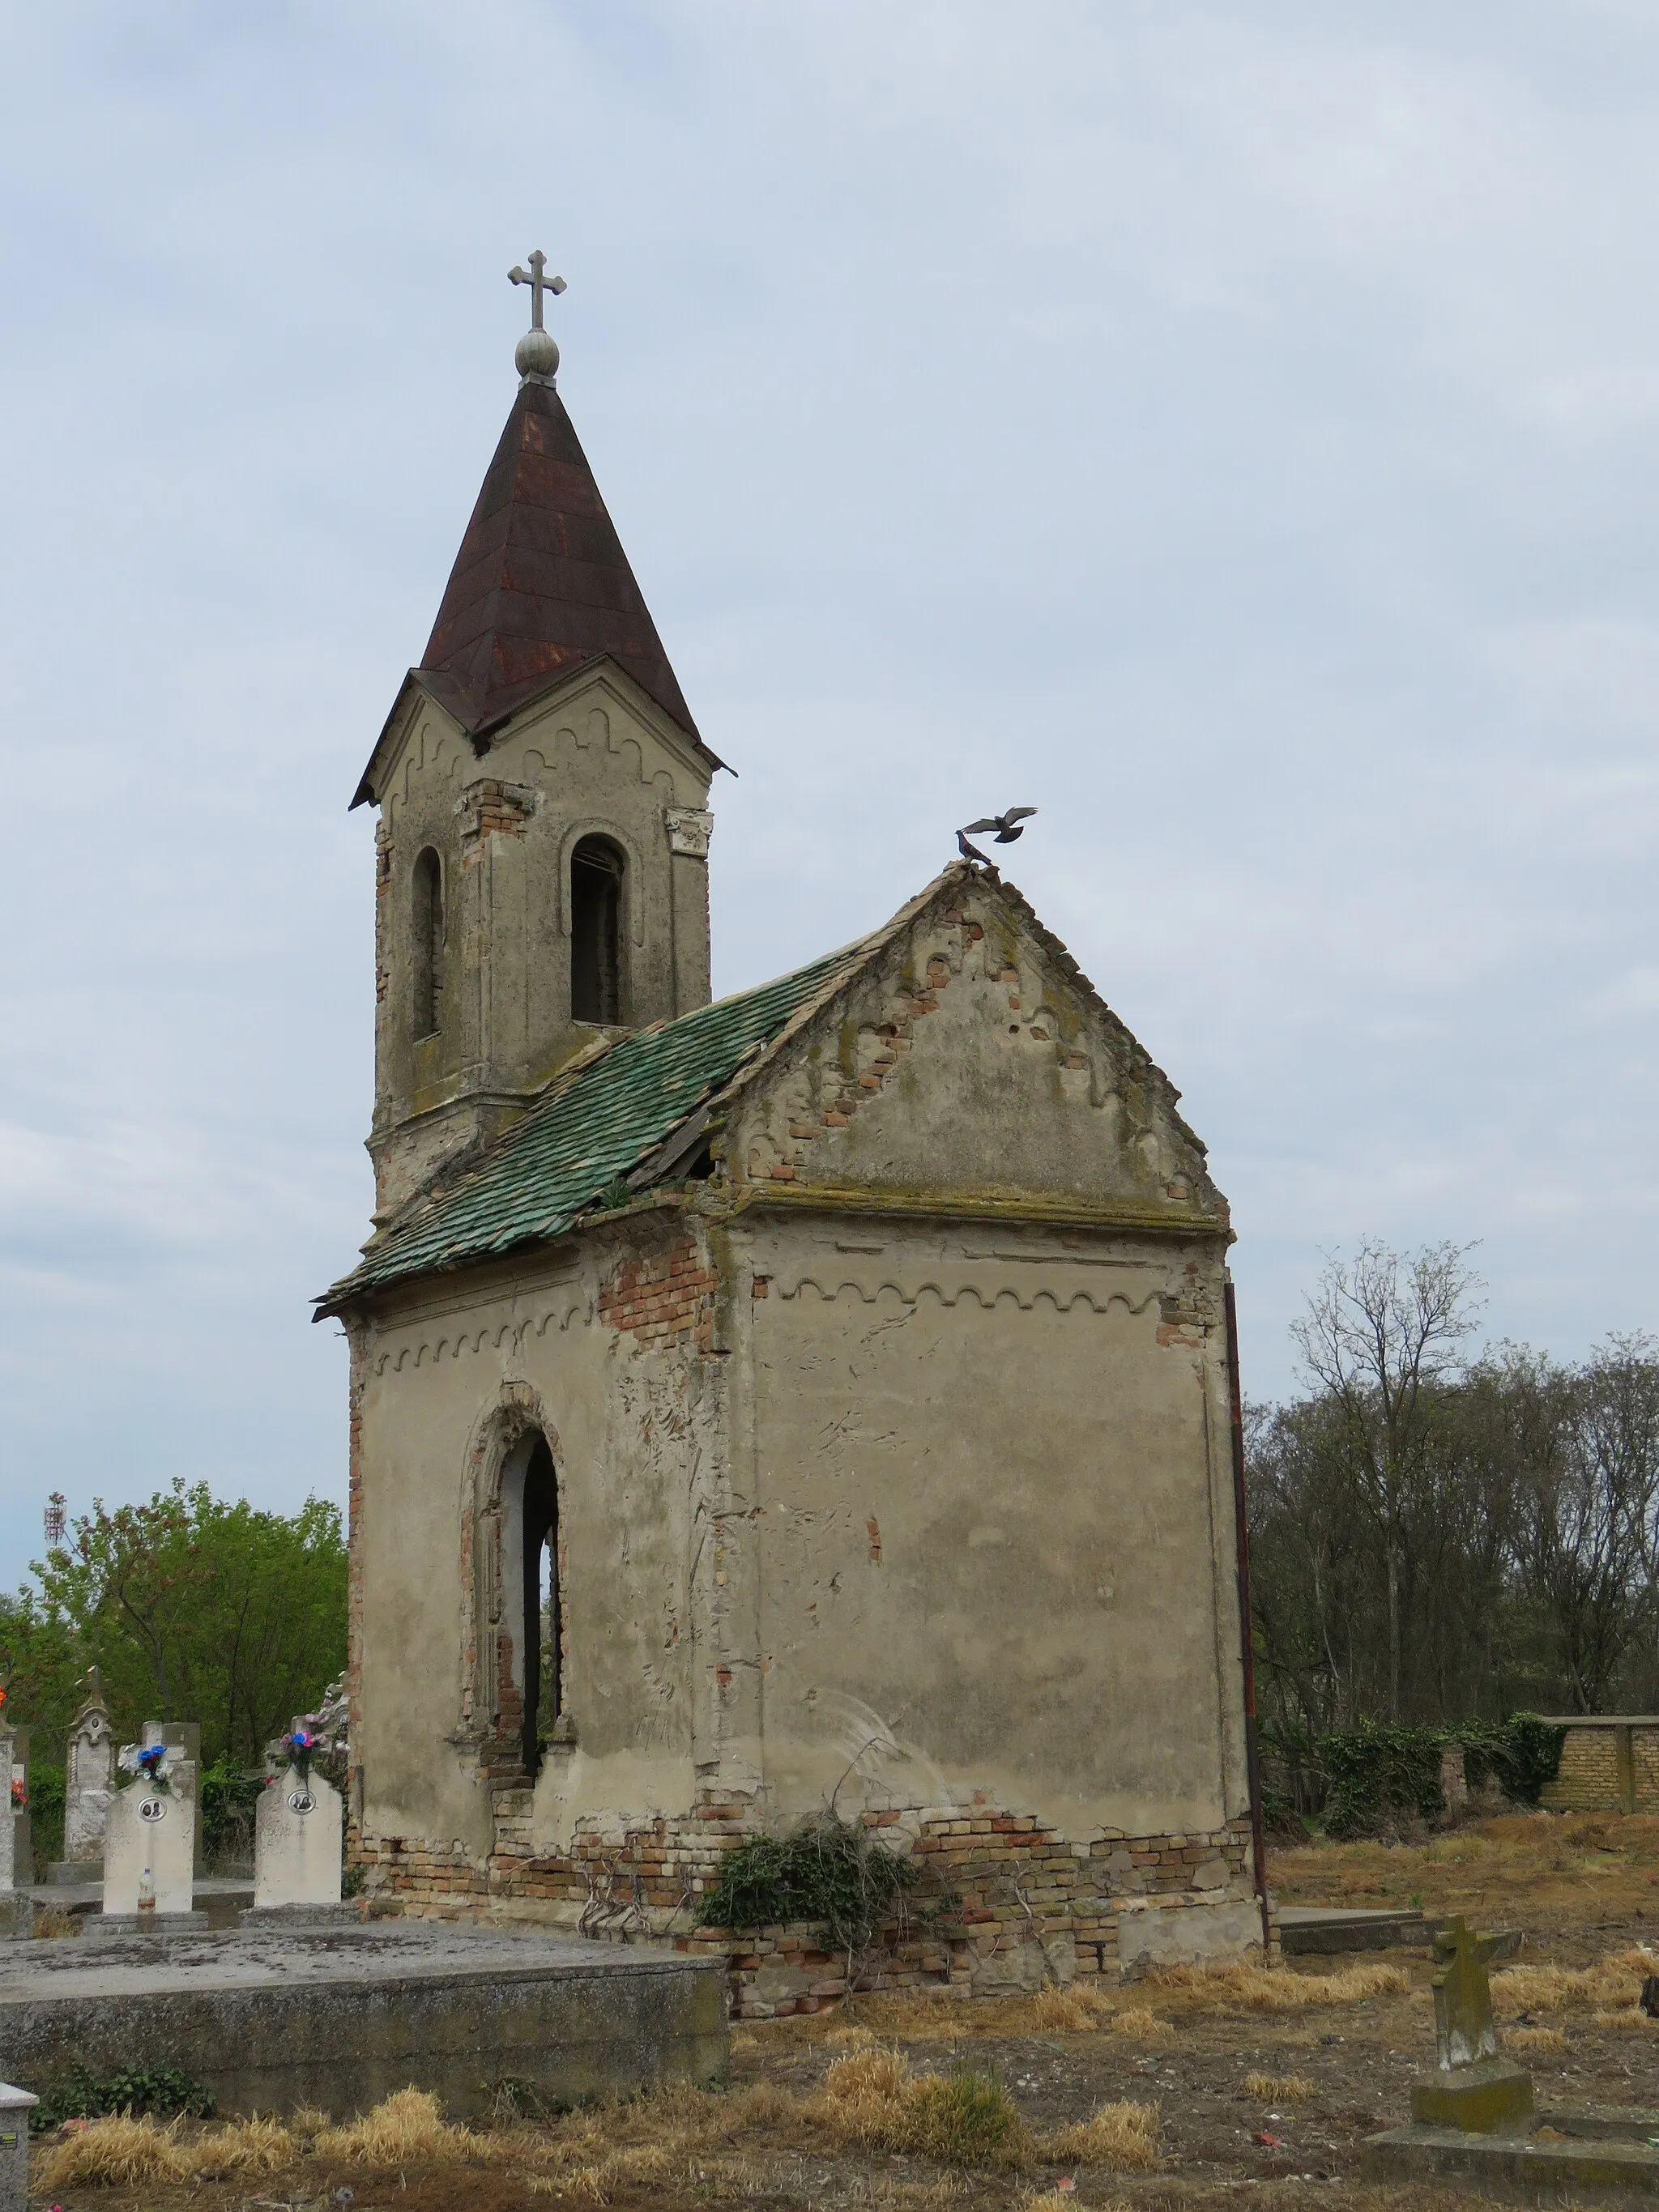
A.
pixel 542 1689
pixel 428 943
pixel 596 876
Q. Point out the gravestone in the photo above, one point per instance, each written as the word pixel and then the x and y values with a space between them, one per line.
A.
pixel 22 1844
pixel 16 1906
pixel 299 1827
pixel 149 1858
pixel 1471 2086
pixel 184 1741
pixel 16 2106
pixel 88 1784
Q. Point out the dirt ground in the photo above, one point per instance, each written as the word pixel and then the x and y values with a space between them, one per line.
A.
pixel 1263 2085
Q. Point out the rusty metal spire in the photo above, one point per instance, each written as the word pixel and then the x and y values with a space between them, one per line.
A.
pixel 537 356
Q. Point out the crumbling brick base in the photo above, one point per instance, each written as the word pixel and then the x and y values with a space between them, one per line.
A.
pixel 1004 1903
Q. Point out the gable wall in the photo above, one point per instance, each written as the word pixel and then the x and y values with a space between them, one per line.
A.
pixel 966 1062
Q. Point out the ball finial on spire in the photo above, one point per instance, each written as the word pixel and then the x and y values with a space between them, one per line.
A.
pixel 537 356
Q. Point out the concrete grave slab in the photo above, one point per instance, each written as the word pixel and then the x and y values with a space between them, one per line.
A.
pixel 269 2019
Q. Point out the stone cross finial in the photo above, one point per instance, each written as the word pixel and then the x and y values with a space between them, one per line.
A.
pixel 1463 2030
pixel 537 356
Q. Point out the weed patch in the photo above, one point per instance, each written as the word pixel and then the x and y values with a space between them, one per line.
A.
pixel 964 2117
pixel 1276 2088
pixel 1122 2138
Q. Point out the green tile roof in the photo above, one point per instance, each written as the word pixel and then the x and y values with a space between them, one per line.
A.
pixel 593 1125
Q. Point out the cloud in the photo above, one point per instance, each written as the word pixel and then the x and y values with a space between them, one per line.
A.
pixel 1230 431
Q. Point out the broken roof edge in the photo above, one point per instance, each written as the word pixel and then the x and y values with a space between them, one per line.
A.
pixel 840 970
pixel 361 1280
pixel 481 732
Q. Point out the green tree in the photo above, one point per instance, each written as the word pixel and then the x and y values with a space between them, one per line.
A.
pixel 194 1609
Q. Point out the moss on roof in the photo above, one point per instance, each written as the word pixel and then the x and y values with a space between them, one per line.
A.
pixel 590 1127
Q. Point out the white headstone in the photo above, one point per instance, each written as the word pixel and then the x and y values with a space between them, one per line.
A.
pixel 22 1843
pixel 16 2106
pixel 87 1781
pixel 8 1825
pixel 299 1827
pixel 151 1832
pixel 184 1741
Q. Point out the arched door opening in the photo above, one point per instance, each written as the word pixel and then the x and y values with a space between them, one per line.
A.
pixel 539 1521
pixel 596 881
pixel 427 946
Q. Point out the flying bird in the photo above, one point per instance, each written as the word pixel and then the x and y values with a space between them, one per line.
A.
pixel 1007 827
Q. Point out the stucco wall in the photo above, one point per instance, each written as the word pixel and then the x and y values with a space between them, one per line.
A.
pixel 993 1518
pixel 444 1389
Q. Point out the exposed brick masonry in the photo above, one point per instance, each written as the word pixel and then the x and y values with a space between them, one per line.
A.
pixel 662 1298
pixel 990 1882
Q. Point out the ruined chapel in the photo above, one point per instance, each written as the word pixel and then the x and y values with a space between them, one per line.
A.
pixel 821 1396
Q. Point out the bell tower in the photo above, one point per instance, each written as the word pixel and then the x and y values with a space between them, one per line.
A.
pixel 542 851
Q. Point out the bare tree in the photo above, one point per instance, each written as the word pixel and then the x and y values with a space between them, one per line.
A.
pixel 1588 1541
pixel 1382 1336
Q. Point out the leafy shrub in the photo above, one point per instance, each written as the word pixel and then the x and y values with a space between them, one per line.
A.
pixel 828 1870
pixel 162 2092
pixel 1373 1769
pixel 229 1799
pixel 47 1786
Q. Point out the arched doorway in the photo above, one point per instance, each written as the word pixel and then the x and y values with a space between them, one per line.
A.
pixel 539 1524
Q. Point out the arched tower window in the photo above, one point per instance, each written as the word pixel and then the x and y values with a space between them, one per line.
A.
pixel 596 881
pixel 539 1524
pixel 428 938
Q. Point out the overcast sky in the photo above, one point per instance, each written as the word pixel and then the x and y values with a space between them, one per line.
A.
pixel 1230 428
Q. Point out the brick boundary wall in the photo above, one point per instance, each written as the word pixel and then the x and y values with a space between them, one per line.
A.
pixel 993 1886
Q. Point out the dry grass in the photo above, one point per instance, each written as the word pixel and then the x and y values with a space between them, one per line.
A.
pixel 1535 2039
pixel 1276 2088
pixel 1612 1985
pixel 1144 2025
pixel 51 1920
pixel 244 2146
pixel 1122 2138
pixel 1072 2010
pixel 1270 1989
pixel 870 2098
pixel 120 2153
pixel 1548 1867
pixel 407 2129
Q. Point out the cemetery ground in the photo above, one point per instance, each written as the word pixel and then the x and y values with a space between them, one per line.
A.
pixel 1182 2090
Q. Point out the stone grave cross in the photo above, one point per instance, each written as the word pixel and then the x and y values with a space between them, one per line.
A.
pixel 1463 2030
pixel 1472 2088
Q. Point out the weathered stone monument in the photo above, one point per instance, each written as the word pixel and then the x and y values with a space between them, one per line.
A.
pixel 16 1907
pixel 87 1787
pixel 1473 2119
pixel 149 1848
pixel 22 1845
pixel 1472 2087
pixel 16 2106
pixel 183 1740
pixel 299 1829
